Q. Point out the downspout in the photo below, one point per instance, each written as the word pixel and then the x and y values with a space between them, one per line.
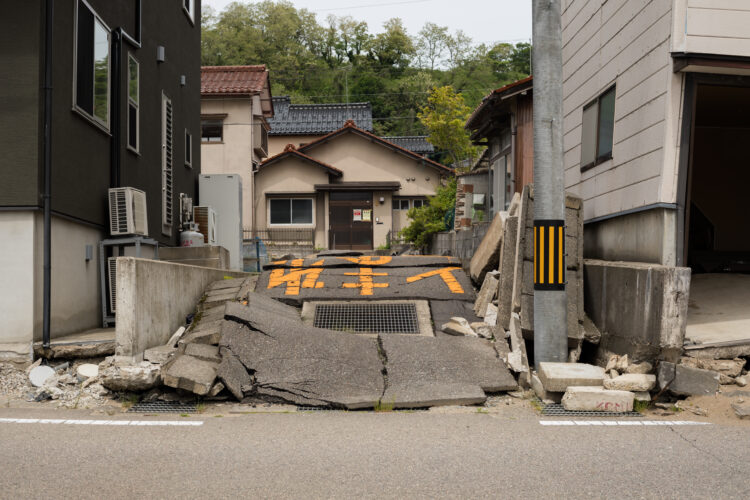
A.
pixel 46 198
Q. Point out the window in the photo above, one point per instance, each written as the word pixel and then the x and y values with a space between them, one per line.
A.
pixel 404 204
pixel 167 156
pixel 91 63
pixel 417 203
pixel 189 7
pixel 188 149
pixel 133 100
pixel 212 130
pixel 291 211
pixel 598 130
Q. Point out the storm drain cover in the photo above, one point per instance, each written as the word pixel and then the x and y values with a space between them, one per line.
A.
pixel 367 317
pixel 163 407
pixel 558 410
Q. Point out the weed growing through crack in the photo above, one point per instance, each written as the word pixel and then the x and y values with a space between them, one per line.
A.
pixel 383 406
pixel 482 410
pixel 130 400
pixel 200 407
pixel 641 406
pixel 184 414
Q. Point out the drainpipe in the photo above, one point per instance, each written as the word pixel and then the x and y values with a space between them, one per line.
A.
pixel 46 198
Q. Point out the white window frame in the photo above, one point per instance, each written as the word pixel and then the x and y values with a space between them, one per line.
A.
pixel 188 150
pixel 135 103
pixel 103 124
pixel 290 198
pixel 189 12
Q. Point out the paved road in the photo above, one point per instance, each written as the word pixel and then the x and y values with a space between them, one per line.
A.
pixel 373 455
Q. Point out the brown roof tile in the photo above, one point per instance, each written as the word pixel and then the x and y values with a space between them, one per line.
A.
pixel 233 80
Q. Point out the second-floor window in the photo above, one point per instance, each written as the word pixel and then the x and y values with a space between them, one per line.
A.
pixel 598 130
pixel 133 102
pixel 91 65
pixel 212 130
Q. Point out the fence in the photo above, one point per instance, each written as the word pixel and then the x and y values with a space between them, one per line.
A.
pixel 261 246
pixel 461 243
pixel 282 236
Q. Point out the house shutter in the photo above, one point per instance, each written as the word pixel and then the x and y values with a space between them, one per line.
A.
pixel 166 166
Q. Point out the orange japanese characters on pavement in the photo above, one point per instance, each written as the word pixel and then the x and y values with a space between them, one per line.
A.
pixel 369 260
pixel 446 273
pixel 294 278
pixel 365 281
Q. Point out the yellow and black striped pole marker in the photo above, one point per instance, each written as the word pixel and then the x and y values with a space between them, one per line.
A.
pixel 549 254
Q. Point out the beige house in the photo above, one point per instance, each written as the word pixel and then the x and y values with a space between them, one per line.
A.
pixel 235 107
pixel 349 188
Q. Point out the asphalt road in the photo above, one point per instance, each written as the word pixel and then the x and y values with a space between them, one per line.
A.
pixel 508 454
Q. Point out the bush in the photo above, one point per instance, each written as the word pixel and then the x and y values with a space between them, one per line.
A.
pixel 430 218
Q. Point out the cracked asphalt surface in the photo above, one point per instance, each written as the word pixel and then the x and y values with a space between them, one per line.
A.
pixel 453 452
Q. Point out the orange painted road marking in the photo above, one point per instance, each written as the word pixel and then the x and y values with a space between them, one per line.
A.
pixel 293 279
pixel 446 273
pixel 365 281
pixel 369 260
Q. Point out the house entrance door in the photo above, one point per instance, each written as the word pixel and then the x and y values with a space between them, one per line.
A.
pixel 350 216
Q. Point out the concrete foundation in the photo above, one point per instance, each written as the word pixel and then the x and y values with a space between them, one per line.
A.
pixel 213 256
pixel 641 309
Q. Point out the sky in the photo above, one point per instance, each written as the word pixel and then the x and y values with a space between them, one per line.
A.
pixel 485 21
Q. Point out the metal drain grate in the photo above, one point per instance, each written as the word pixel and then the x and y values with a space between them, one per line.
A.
pixel 557 410
pixel 163 407
pixel 367 318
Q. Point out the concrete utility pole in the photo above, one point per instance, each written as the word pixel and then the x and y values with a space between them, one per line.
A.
pixel 550 311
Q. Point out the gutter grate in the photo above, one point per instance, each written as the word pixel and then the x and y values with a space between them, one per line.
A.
pixel 163 407
pixel 367 318
pixel 557 410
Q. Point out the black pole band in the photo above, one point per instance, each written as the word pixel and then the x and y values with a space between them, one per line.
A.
pixel 549 254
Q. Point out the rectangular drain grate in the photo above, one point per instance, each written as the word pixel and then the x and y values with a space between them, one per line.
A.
pixel 557 410
pixel 163 407
pixel 367 318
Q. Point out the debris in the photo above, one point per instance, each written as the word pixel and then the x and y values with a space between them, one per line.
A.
pixel 741 381
pixel 159 354
pixel 575 354
pixel 33 365
pixel 216 389
pixel 172 342
pixel 622 363
pixel 742 411
pixel 190 373
pixel 687 381
pixel 727 367
pixel 486 294
pixel 486 255
pixel 588 398
pixel 613 373
pixel 490 315
pixel 634 382
pixel 541 392
pixel 643 396
pixel 87 371
pixel 482 329
pixel 458 326
pixel 640 368
pixel 232 372
pixel 612 362
pixel 557 377
pixel 39 375
pixel 590 332
pixel 518 352
pixel 117 376
pixel 204 352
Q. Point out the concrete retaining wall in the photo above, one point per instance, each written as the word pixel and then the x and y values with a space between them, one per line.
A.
pixel 461 244
pixel 640 308
pixel 153 299
pixel 213 256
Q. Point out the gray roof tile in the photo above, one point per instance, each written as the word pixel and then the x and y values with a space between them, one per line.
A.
pixel 313 119
pixel 414 143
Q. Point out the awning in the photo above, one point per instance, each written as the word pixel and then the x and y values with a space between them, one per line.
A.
pixel 359 186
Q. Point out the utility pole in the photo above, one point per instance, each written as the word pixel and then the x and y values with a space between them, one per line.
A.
pixel 550 304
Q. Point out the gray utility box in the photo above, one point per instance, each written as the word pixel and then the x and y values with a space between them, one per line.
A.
pixel 223 193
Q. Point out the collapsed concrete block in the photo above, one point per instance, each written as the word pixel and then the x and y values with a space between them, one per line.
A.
pixel 742 411
pixel 160 354
pixel 490 315
pixel 486 256
pixel 585 398
pixel 590 332
pixel 557 377
pixel 642 368
pixel 642 396
pixel 204 352
pixel 633 382
pixel 486 294
pixel 233 373
pixel 482 329
pixel 541 392
pixel 686 381
pixel 191 374
pixel 728 367
pixel 506 268
pixel 518 352
pixel 206 333
pixel 128 377
pixel 459 327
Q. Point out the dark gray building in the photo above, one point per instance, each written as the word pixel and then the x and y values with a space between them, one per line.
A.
pixel 116 84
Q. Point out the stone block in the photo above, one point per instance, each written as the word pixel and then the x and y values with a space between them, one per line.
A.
pixel 443 310
pixel 594 398
pixel 206 333
pixel 459 327
pixel 128 377
pixel 487 254
pixel 204 352
pixel 506 268
pixel 742 411
pixel 160 354
pixel 687 381
pixel 541 392
pixel 233 373
pixel 482 329
pixel 191 374
pixel 644 396
pixel 490 315
pixel 557 377
pixel 518 350
pixel 633 382
pixel 486 294
pixel 728 367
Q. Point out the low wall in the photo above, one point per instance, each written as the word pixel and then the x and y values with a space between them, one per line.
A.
pixel 153 299
pixel 640 308
pixel 461 243
pixel 213 256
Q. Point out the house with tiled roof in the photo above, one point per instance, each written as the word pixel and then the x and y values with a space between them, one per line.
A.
pixel 350 188
pixel 300 124
pixel 236 105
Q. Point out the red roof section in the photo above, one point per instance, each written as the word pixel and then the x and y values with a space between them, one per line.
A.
pixel 233 80
pixel 290 150
pixel 496 93
pixel 350 126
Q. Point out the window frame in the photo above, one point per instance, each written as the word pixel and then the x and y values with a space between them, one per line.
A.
pixel 217 118
pixel 137 105
pixel 291 213
pixel 91 117
pixel 598 158
pixel 190 13
pixel 188 150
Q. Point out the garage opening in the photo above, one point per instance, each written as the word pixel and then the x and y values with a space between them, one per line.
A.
pixel 718 220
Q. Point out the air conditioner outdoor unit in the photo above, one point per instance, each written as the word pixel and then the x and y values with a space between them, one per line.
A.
pixel 205 217
pixel 127 211
pixel 112 282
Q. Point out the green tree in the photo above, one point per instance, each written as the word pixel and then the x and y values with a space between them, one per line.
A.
pixel 393 47
pixel 430 218
pixel 444 117
pixel 431 44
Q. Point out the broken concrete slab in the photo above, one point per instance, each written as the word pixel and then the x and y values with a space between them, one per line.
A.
pixel 443 360
pixel 226 283
pixel 518 350
pixel 633 382
pixel 726 352
pixel 486 255
pixel 642 368
pixel 588 398
pixel 232 372
pixel 557 377
pixel 205 333
pixel 590 332
pixel 482 329
pixel 458 326
pixel 159 355
pixel 686 381
pixel 506 268
pixel 486 294
pixel 190 373
pixel 490 315
pixel 203 352
pixel 176 337
pixel 303 365
pixel 128 377
pixel 443 310
pixel 728 367
pixel 259 302
pixel 424 394
pixel 542 393
pixel 742 411
pixel 644 396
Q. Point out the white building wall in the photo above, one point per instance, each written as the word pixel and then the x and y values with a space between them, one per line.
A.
pixel 712 27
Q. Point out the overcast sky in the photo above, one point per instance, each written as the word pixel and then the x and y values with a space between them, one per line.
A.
pixel 484 21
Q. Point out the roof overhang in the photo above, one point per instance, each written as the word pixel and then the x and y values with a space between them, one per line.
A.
pixel 686 62
pixel 359 186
